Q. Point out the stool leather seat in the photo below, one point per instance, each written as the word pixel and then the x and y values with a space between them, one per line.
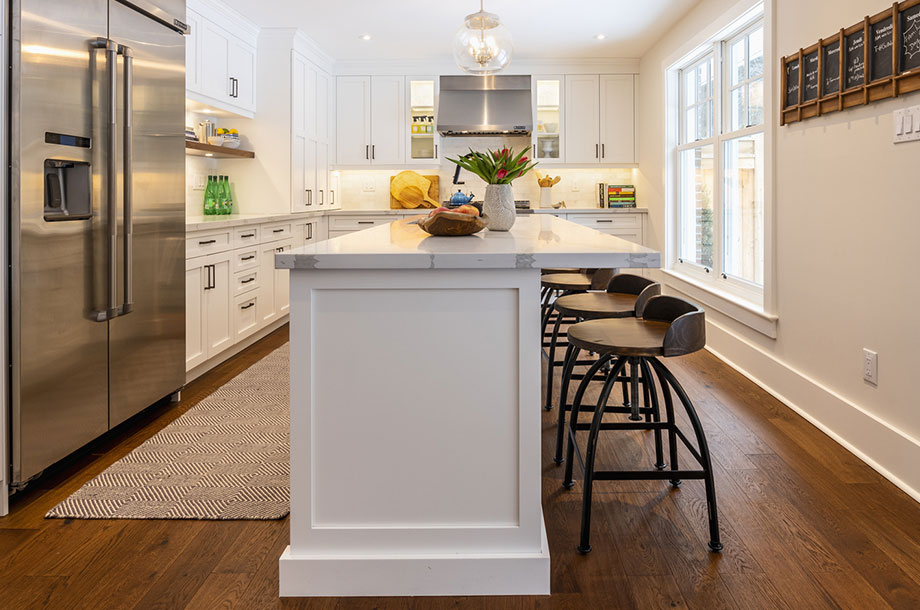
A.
pixel 592 305
pixel 621 336
pixel 566 281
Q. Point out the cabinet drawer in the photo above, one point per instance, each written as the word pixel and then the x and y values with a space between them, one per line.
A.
pixel 608 221
pixel 633 235
pixel 244 281
pixel 276 231
pixel 245 315
pixel 356 223
pixel 245 236
pixel 245 258
pixel 199 244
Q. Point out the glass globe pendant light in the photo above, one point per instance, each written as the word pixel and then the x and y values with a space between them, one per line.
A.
pixel 482 45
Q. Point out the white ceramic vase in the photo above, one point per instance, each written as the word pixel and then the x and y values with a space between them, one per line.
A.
pixel 546 196
pixel 498 205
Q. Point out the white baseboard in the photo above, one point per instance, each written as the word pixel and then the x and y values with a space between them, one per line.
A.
pixel 233 350
pixel 400 575
pixel 889 451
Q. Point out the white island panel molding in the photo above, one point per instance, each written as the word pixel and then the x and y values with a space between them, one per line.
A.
pixel 415 408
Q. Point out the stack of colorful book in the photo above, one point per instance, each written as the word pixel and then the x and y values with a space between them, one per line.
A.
pixel 617 195
pixel 621 196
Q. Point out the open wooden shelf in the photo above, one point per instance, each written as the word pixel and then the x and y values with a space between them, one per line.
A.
pixel 217 152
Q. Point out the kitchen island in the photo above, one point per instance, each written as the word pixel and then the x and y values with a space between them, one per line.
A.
pixel 415 407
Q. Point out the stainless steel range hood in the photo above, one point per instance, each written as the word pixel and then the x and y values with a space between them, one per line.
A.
pixel 485 105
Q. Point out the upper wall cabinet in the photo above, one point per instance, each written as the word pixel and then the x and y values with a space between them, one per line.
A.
pixel 600 119
pixel 549 118
pixel 370 119
pixel 221 58
pixel 422 105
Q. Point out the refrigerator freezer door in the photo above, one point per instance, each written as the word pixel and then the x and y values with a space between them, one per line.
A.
pixel 59 389
pixel 147 344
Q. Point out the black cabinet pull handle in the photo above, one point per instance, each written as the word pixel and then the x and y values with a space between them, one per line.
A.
pixel 373 151
pixel 248 235
pixel 248 258
pixel 277 230
pixel 595 151
pixel 603 152
pixel 247 306
pixel 367 151
pixel 605 221
pixel 248 280
pixel 365 222
pixel 207 241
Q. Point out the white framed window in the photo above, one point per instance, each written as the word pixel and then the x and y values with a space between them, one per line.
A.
pixel 719 162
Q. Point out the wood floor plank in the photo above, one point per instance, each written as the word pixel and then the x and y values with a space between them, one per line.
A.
pixel 805 524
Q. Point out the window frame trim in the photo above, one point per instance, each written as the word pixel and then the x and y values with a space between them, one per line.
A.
pixel 731 291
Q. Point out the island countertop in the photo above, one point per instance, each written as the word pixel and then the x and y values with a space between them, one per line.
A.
pixel 535 241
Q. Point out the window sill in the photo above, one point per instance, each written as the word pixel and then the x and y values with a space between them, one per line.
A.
pixel 749 314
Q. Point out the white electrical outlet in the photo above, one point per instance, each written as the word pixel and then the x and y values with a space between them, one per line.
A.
pixel 906 124
pixel 198 182
pixel 368 184
pixel 574 183
pixel 870 366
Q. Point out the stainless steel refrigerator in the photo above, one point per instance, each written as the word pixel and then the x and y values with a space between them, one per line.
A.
pixel 97 219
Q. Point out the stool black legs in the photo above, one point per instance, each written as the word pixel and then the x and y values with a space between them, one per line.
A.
pixel 715 543
pixel 550 367
pixel 668 385
pixel 583 545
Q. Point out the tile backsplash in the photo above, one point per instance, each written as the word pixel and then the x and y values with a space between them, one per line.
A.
pixel 370 188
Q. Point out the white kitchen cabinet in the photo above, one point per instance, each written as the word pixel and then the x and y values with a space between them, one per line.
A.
pixel 208 289
pixel 192 46
pixel 221 58
pixel 618 118
pixel 600 119
pixel 322 174
pixel 353 120
pixel 274 300
pixel 310 135
pixel 370 119
pixel 245 315
pixel 582 118
pixel 422 139
pixel 549 119
pixel 629 226
pixel 242 70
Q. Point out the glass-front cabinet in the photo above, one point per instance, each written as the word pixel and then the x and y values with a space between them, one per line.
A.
pixel 548 112
pixel 422 97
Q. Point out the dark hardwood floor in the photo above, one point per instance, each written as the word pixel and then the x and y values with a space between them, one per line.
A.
pixel 805 525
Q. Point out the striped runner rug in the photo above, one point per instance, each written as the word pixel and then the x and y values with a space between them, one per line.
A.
pixel 225 458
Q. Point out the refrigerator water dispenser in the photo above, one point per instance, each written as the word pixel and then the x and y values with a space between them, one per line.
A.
pixel 68 190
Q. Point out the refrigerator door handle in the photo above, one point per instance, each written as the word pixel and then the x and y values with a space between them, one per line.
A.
pixel 111 179
pixel 128 180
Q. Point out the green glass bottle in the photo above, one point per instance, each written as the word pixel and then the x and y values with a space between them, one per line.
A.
pixel 211 197
pixel 227 197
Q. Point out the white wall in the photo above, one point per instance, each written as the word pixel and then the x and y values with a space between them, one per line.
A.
pixel 847 210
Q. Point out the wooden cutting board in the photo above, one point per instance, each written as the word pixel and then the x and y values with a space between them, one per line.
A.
pixel 433 192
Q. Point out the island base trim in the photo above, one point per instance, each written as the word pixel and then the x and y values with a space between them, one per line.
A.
pixel 460 574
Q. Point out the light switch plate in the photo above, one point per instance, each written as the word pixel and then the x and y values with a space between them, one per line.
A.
pixel 198 183
pixel 906 122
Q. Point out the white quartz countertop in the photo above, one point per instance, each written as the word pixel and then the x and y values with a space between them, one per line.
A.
pixel 203 223
pixel 535 241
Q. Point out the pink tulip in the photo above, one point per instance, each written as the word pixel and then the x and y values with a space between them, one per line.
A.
pixel 501 174
pixel 524 160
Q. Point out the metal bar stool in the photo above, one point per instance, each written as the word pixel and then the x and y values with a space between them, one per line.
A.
pixel 555 284
pixel 623 292
pixel 669 327
pixel 626 297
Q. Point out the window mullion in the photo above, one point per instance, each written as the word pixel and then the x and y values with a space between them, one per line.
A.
pixel 718 169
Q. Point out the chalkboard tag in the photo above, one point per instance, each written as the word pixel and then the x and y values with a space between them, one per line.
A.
pixel 810 80
pixel 909 30
pixel 792 82
pixel 854 60
pixel 831 68
pixel 881 34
